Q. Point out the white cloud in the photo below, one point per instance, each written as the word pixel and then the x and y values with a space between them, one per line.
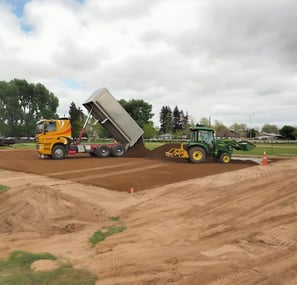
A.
pixel 220 59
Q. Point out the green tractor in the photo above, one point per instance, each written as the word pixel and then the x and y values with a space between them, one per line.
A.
pixel 203 143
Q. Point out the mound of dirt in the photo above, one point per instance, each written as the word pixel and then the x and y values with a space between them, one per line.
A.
pixel 45 211
pixel 139 150
pixel 159 152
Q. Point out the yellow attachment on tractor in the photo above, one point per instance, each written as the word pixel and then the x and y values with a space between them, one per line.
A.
pixel 177 152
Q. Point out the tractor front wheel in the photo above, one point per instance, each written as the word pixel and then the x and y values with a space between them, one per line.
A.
pixel 197 154
pixel 225 157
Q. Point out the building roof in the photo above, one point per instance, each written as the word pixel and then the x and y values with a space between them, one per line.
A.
pixel 227 134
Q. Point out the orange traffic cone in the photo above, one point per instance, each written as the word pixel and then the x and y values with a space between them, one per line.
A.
pixel 264 160
pixel 132 190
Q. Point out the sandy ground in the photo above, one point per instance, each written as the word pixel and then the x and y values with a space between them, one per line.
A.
pixel 232 225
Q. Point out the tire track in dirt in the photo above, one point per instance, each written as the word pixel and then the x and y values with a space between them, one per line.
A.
pixel 82 165
pixel 120 172
pixel 229 228
pixel 60 173
pixel 228 237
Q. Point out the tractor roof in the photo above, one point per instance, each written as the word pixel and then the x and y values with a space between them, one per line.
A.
pixel 201 128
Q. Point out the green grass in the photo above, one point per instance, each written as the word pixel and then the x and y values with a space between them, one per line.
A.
pixel 25 145
pixel 19 146
pixel 105 232
pixel 114 218
pixel 153 145
pixel 3 188
pixel 16 270
pixel 271 149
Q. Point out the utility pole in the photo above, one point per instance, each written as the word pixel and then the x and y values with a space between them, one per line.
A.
pixel 251 116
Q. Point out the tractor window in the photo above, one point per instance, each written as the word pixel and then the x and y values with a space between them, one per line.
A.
pixel 195 136
pixel 50 126
pixel 206 136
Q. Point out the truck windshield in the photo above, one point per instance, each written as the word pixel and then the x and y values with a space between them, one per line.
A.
pixel 39 127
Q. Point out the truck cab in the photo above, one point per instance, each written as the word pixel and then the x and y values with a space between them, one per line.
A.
pixel 52 137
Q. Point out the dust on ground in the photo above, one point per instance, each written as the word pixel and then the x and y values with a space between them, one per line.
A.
pixel 231 227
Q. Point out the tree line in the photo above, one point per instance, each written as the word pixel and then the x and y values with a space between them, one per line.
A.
pixel 173 121
pixel 22 104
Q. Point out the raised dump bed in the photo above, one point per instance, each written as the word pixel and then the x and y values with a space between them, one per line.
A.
pixel 113 117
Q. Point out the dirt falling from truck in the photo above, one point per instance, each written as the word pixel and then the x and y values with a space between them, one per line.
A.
pixel 139 150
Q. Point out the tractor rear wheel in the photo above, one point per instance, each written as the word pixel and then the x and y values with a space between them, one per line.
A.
pixel 102 151
pixel 196 154
pixel 225 157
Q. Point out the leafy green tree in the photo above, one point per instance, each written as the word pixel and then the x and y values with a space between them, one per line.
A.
pixel 95 131
pixel 166 120
pixel 176 119
pixel 139 110
pixel 252 133
pixel 11 114
pixel 267 128
pixel 219 126
pixel 149 131
pixel 22 104
pixel 76 119
pixel 294 133
pixel 180 120
pixel 205 122
pixel 239 128
pixel 288 132
pixel 184 120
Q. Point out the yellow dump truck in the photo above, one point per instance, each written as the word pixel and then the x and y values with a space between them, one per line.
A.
pixel 54 137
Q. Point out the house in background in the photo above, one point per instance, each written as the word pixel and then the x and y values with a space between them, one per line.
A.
pixel 269 136
pixel 227 134
pixel 166 136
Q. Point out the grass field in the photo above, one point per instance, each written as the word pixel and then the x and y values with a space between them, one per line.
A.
pixel 271 149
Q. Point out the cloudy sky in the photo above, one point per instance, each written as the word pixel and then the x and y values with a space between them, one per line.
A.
pixel 233 60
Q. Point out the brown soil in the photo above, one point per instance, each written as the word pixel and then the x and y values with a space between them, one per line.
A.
pixel 208 223
pixel 140 168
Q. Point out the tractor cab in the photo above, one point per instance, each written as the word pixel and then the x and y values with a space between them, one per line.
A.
pixel 203 136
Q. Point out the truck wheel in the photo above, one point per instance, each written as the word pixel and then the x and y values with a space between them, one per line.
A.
pixel 103 151
pixel 196 154
pixel 118 150
pixel 58 152
pixel 225 157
